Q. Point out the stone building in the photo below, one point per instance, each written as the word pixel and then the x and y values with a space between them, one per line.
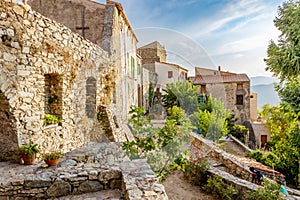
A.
pixel 158 72
pixel 107 26
pixel 153 52
pixel 45 68
pixel 232 89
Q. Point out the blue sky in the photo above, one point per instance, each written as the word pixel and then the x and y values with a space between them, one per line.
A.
pixel 207 33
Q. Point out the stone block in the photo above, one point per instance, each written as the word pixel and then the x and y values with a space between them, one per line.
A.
pixel 59 188
pixel 90 186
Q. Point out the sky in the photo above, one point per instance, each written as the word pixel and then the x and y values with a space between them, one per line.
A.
pixel 233 34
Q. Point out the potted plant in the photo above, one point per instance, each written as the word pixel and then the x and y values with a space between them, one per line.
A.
pixel 28 153
pixel 52 158
pixel 51 119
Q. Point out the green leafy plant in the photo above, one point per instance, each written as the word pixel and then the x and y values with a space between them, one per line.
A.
pixel 181 94
pixel 217 187
pixel 269 191
pixel 51 119
pixel 196 169
pixel 160 147
pixel 52 156
pixel 178 114
pixel 29 149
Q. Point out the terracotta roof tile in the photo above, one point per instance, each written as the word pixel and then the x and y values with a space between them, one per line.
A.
pixel 221 79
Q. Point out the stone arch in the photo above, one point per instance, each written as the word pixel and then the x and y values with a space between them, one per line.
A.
pixel 90 103
pixel 8 134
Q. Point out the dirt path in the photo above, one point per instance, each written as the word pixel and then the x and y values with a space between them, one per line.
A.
pixel 177 188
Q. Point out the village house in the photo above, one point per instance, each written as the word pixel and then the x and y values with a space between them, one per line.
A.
pixel 154 59
pixel 107 26
pixel 50 74
pixel 232 89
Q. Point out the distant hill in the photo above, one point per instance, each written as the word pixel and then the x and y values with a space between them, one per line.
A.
pixel 263 80
pixel 264 87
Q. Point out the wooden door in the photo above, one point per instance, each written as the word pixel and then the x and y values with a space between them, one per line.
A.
pixel 263 140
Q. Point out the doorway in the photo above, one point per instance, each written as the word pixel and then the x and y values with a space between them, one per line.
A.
pixel 263 140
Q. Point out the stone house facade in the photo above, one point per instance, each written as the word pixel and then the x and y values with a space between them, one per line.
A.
pixel 107 26
pixel 45 68
pixel 232 89
pixel 157 72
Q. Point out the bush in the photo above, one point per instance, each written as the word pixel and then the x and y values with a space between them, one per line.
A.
pixel 217 187
pixel 196 169
pixel 177 114
pixel 256 154
pixel 267 158
pixel 270 191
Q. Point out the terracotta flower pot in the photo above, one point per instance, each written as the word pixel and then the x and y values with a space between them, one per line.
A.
pixel 28 160
pixel 52 162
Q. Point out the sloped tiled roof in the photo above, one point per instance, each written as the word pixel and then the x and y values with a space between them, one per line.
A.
pixel 221 79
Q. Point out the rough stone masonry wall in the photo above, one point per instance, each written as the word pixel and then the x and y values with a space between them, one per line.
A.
pixel 94 167
pixel 233 166
pixel 69 13
pixel 33 47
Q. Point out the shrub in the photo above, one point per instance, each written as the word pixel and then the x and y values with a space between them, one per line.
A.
pixel 270 191
pixel 256 154
pixel 267 158
pixel 217 187
pixel 178 114
pixel 196 169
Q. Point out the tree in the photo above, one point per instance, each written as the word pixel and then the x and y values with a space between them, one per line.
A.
pixel 284 58
pixel 160 147
pixel 182 94
pixel 218 125
pixel 289 93
pixel 212 124
pixel 201 120
pixel 279 120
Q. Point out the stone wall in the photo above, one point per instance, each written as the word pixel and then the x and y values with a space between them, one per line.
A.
pixel 39 59
pixel 153 52
pixel 74 14
pixel 227 92
pixel 92 168
pixel 233 166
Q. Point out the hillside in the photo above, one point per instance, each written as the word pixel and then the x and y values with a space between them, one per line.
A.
pixel 266 94
pixel 264 87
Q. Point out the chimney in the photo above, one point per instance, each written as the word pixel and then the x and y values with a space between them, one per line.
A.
pixel 219 68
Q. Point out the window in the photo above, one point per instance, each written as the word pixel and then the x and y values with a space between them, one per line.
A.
pixel 139 69
pixel 90 103
pixel 170 74
pixel 201 99
pixel 53 95
pixel 239 100
pixel 203 88
pixel 132 67
pixel 239 86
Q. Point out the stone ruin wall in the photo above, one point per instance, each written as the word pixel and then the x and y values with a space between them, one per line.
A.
pixel 70 14
pixel 32 48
